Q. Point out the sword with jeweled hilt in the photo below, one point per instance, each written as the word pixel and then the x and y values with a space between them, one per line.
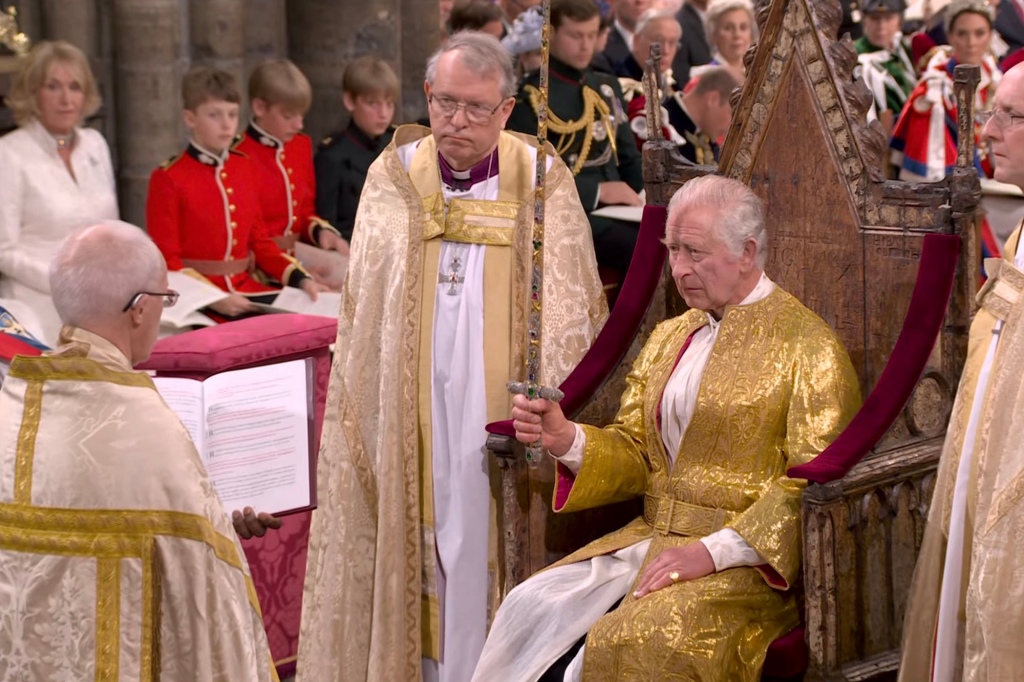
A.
pixel 531 388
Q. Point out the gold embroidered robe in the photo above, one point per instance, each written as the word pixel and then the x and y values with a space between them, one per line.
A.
pixel 990 619
pixel 778 388
pixel 368 608
pixel 117 560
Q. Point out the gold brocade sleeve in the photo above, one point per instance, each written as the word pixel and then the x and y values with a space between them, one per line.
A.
pixel 825 397
pixel 615 464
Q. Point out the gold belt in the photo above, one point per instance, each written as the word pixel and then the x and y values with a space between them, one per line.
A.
pixel 669 516
pixel 219 268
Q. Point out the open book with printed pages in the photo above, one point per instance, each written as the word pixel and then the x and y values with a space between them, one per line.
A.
pixel 254 430
pixel 193 295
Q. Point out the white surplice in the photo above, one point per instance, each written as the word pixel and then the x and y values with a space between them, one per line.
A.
pixel 525 641
pixel 41 204
pixel 948 640
pixel 462 492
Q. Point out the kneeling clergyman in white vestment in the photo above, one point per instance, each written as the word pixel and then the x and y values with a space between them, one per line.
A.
pixel 402 573
pixel 117 560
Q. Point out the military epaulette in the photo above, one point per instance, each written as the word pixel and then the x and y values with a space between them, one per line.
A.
pixel 238 140
pixel 170 162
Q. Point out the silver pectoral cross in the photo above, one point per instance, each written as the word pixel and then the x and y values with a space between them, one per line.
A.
pixel 452 279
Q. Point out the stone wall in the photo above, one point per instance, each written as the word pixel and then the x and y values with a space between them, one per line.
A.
pixel 139 50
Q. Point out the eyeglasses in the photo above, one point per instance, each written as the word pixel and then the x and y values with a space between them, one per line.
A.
pixel 477 114
pixel 1000 118
pixel 170 298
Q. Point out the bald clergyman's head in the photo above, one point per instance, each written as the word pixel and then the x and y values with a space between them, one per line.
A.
pixel 98 269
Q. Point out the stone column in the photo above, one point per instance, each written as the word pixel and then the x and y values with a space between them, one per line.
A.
pixel 266 32
pixel 147 42
pixel 217 39
pixel 418 43
pixel 323 38
pixel 74 21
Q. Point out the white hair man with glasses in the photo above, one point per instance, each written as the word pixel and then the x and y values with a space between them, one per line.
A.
pixel 964 620
pixel 401 572
pixel 118 559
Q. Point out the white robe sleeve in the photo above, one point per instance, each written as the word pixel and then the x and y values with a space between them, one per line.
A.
pixel 729 550
pixel 573 458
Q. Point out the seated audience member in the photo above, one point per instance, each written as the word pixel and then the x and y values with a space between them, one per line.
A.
pixel 55 175
pixel 732 29
pixel 147 562
pixel 523 41
pixel 698 119
pixel 745 384
pixel 622 29
pixel 343 158
pixel 476 15
pixel 884 59
pixel 654 27
pixel 588 128
pixel 600 61
pixel 694 49
pixel 279 96
pixel 915 152
pixel 203 206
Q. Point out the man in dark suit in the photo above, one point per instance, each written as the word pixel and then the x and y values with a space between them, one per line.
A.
pixel 620 38
pixel 694 49
pixel 1010 23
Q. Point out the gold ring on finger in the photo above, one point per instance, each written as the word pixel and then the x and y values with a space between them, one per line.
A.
pixel 674 576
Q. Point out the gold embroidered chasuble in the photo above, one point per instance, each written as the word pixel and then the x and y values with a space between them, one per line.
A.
pixel 117 560
pixel 370 608
pixel 778 388
pixel 990 619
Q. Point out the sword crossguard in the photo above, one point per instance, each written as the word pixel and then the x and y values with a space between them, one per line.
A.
pixel 534 451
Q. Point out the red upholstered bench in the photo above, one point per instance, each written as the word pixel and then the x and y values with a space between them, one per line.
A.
pixel 278 560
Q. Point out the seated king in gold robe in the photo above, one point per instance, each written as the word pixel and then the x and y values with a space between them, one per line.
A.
pixel 117 560
pixel 721 401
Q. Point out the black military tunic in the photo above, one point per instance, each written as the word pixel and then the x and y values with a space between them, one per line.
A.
pixel 341 163
pixel 588 128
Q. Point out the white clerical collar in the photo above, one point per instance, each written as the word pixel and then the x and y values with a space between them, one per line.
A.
pixel 761 291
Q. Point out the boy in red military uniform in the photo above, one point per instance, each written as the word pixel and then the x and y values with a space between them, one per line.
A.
pixel 203 207
pixel 280 96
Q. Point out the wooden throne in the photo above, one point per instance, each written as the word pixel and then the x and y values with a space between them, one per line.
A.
pixel 849 244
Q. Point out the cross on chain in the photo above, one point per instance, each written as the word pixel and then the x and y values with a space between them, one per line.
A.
pixel 452 279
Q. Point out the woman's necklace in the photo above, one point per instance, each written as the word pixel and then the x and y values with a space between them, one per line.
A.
pixel 64 141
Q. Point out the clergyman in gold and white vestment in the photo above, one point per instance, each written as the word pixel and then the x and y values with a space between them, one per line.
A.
pixel 964 619
pixel 720 402
pixel 117 560
pixel 402 574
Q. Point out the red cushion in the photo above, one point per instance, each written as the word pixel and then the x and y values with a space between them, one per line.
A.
pixel 787 656
pixel 242 343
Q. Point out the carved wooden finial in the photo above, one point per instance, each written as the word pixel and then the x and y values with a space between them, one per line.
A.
pixel 965 85
pixel 652 93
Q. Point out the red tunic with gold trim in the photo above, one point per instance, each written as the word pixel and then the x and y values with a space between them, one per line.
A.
pixel 203 212
pixel 287 185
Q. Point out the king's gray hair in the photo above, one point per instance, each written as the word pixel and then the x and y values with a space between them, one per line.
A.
pixel 98 269
pixel 740 211
pixel 482 54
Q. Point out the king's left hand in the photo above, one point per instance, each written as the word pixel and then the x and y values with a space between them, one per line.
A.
pixel 674 565
pixel 249 524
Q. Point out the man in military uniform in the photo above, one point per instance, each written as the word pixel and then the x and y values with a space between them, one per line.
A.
pixel 587 127
pixel 343 158
pixel 883 57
